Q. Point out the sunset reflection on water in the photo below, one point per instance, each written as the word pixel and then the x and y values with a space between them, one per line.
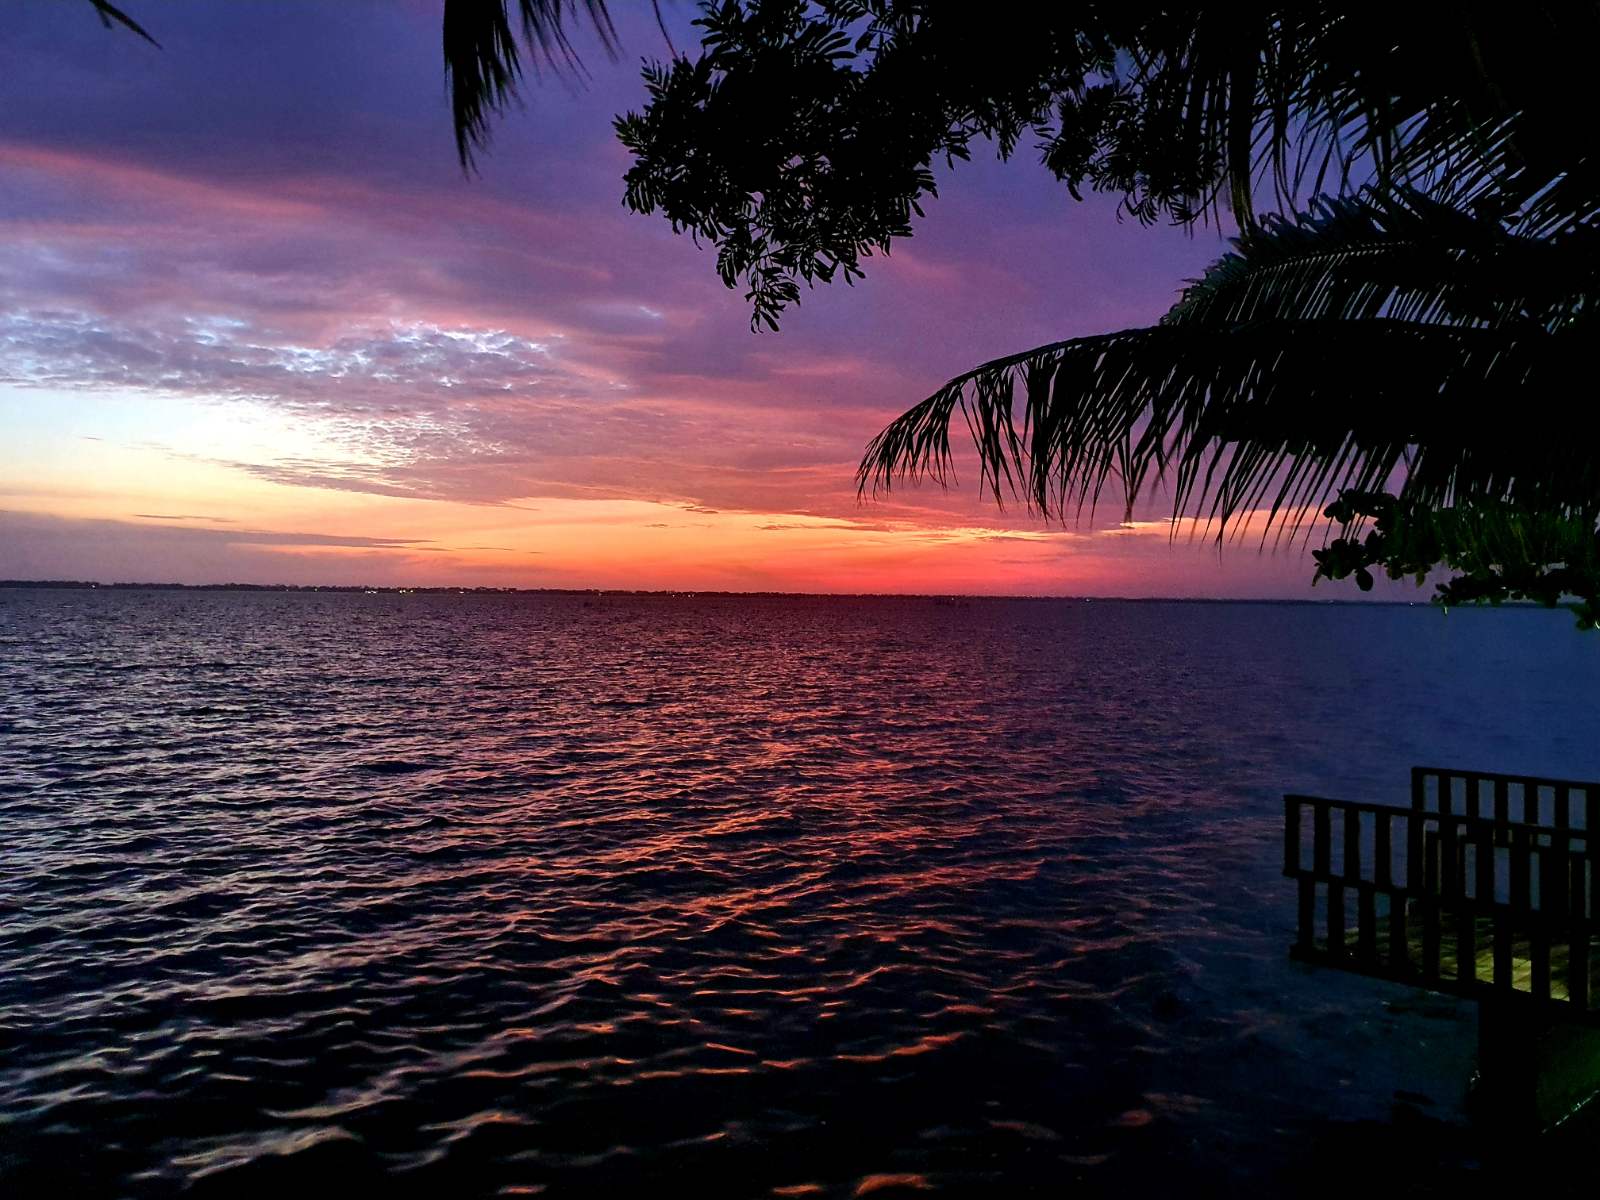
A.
pixel 752 896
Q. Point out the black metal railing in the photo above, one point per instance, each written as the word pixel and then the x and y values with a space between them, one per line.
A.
pixel 1461 892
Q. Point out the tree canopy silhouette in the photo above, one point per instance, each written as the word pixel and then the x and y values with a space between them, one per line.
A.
pixel 1398 340
pixel 1411 313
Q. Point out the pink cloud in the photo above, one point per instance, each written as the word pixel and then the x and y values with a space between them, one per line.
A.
pixel 291 231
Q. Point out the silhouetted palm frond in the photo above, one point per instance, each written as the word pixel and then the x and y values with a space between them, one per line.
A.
pixel 483 58
pixel 1400 254
pixel 1375 336
pixel 111 15
pixel 1315 95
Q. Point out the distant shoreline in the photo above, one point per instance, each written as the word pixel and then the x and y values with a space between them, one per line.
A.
pixel 391 590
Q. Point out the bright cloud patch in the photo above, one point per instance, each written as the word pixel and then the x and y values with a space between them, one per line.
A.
pixel 405 409
pixel 245 288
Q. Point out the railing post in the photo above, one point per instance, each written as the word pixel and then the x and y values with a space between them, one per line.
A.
pixel 1307 917
pixel 1543 915
pixel 1519 885
pixel 1483 863
pixel 1450 882
pixel 1336 943
pixel 1553 879
pixel 1399 934
pixel 1430 906
pixel 1382 850
pixel 1414 832
pixel 1539 984
pixel 1578 938
pixel 1591 819
pixel 1367 923
pixel 1504 959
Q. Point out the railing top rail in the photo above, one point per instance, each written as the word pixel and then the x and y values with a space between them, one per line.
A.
pixel 1404 810
pixel 1498 776
pixel 1569 833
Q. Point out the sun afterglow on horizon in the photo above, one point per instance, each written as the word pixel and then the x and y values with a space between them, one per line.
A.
pixel 237 344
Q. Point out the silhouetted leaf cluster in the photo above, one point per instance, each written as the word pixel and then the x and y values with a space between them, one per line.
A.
pixel 1497 551
pixel 804 136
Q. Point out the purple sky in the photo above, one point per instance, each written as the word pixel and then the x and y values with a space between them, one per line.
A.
pixel 255 324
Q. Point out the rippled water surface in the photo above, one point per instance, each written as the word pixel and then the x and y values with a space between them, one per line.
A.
pixel 465 895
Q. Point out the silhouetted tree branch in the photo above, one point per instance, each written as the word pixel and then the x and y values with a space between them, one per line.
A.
pixel 1414 311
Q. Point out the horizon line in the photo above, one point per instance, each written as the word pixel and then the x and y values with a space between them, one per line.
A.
pixel 491 589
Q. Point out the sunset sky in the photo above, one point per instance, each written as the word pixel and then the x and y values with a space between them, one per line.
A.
pixel 255 325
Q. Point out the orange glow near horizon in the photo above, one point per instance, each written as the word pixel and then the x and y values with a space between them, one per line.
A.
pixel 200 506
pixel 255 350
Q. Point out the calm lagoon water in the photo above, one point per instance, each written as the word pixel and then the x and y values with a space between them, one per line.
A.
pixel 465 895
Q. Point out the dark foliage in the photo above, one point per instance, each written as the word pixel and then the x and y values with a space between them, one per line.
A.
pixel 110 15
pixel 1497 552
pixel 1404 334
pixel 803 137
pixel 1384 339
pixel 484 63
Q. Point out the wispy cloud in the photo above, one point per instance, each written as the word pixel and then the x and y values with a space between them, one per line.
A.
pixel 184 517
pixel 42 546
pixel 275 276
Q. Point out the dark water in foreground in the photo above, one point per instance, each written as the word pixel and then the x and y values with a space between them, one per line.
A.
pixel 458 895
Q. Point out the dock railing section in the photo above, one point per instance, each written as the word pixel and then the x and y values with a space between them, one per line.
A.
pixel 1485 886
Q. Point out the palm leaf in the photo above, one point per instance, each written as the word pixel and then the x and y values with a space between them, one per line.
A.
pixel 1315 95
pixel 483 58
pixel 1400 254
pixel 111 15
pixel 1375 337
